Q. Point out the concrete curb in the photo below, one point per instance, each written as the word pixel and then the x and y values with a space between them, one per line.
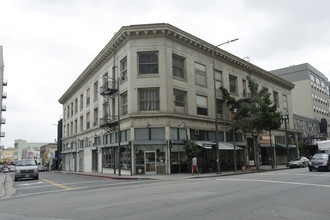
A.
pixel 157 178
pixel 2 186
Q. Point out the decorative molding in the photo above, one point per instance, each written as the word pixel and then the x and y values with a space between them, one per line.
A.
pixel 167 30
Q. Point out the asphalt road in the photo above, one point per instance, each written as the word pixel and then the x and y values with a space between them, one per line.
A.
pixel 284 194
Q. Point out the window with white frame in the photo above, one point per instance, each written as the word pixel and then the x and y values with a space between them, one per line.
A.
pixel 149 99
pixel 200 74
pixel 148 62
pixel 178 66
pixel 201 103
pixel 179 99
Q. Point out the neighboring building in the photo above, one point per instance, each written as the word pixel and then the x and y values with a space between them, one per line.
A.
pixel 20 144
pixel 7 155
pixel 47 153
pixel 58 154
pixel 31 153
pixel 164 78
pixel 310 102
pixel 3 94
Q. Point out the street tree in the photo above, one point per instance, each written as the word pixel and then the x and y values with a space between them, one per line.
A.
pixel 254 114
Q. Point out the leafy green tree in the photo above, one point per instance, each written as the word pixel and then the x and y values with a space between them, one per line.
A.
pixel 255 114
pixel 192 150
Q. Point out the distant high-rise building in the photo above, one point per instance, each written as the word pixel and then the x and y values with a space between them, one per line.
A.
pixel 310 101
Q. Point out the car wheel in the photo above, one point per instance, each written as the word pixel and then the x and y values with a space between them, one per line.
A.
pixel 16 179
pixel 310 169
pixel 36 178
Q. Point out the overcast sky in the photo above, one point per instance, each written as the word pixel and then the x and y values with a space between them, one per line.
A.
pixel 48 43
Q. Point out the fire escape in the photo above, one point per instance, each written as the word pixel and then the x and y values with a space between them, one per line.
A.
pixel 109 91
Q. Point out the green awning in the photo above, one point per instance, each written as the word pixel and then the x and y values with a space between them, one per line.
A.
pixel 284 145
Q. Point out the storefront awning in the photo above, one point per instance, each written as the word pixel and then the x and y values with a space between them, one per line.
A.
pixel 222 145
pixel 278 145
pixel 284 145
pixel 228 146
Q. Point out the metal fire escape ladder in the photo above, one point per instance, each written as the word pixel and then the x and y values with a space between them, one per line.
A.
pixel 109 91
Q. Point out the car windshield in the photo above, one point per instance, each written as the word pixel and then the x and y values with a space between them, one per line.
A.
pixel 296 158
pixel 320 156
pixel 25 163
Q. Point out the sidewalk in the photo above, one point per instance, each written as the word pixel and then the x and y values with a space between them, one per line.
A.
pixel 179 176
pixel 3 177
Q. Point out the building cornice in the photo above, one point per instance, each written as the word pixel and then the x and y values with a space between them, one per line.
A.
pixel 167 30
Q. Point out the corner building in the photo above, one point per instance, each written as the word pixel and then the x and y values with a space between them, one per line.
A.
pixel 155 84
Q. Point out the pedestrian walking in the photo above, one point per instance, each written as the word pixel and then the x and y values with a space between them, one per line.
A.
pixel 194 166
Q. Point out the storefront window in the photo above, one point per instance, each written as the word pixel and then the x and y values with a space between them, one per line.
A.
pixel 160 160
pixel 108 158
pixel 179 163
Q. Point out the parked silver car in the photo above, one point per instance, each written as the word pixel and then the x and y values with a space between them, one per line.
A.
pixel 27 168
pixel 298 162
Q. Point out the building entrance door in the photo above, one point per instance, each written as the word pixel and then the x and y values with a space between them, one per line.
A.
pixel 150 162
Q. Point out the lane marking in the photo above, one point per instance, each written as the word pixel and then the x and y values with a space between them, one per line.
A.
pixel 55 184
pixel 40 186
pixel 274 181
pixel 65 190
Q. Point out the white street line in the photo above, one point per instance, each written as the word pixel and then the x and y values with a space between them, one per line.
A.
pixel 274 181
pixel 63 190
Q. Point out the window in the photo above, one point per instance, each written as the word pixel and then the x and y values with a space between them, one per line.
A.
pixel 149 99
pixel 317 80
pixel 81 123
pixel 201 102
pixel 88 94
pixel 71 109
pixel 71 128
pixel 124 109
pixel 233 84
pixel 219 107
pixel 148 62
pixel 68 116
pixel 244 88
pixel 88 120
pixel 76 126
pixel 179 99
pixel 178 66
pixel 81 101
pixel 275 98
pixel 149 133
pixel 311 76
pixel 200 74
pixel 76 106
pixel 178 133
pixel 284 102
pixel 218 79
pixel 96 116
pixel 123 69
pixel 96 90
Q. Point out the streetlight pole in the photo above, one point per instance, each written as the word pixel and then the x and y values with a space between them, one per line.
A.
pixel 215 104
pixel 285 118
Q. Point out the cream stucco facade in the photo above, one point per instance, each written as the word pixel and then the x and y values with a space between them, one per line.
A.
pixel 166 88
